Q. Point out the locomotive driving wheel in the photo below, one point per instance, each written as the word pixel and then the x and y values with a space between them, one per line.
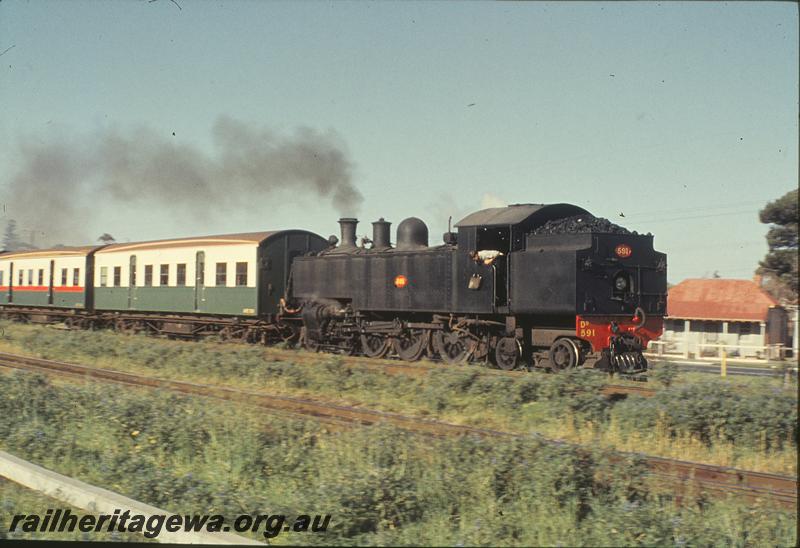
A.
pixel 564 354
pixel 507 352
pixel 454 347
pixel 374 345
pixel 411 344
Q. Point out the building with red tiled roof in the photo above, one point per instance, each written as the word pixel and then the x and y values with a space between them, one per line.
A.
pixel 719 299
pixel 708 315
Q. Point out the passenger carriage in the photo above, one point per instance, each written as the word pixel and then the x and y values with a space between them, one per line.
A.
pixel 49 278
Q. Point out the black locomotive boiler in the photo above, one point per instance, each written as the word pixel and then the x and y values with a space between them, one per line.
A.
pixel 523 285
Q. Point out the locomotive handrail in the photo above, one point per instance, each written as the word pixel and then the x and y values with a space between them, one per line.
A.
pixel 639 313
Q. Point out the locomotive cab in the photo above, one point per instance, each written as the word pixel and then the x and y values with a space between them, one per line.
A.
pixel 493 236
pixel 579 289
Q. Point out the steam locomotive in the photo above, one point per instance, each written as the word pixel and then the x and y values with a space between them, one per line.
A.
pixel 526 285
pixel 535 285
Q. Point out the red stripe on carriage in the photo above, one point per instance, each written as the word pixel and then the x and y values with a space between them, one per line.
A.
pixel 31 288
pixel 44 288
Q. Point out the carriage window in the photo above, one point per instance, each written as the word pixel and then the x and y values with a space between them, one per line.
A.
pixel 21 274
pixel 63 277
pixel 30 276
pixel 181 275
pixel 103 276
pixel 222 273
pixel 1 276
pixel 148 275
pixel 164 275
pixel 76 276
pixel 241 273
pixel 117 276
pixel 41 277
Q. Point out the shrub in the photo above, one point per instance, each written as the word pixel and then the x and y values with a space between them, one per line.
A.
pixel 714 411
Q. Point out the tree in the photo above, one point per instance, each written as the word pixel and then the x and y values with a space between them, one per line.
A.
pixel 10 239
pixel 779 267
pixel 106 238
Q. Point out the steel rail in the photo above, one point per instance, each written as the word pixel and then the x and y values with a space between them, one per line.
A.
pixel 682 477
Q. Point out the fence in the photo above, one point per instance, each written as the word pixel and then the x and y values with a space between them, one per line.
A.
pixel 713 351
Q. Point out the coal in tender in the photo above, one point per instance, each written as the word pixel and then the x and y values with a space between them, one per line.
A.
pixel 581 224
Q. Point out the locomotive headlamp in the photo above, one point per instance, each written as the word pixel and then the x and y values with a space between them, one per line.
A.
pixel 621 282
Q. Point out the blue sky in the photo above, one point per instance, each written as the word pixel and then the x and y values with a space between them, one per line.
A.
pixel 681 116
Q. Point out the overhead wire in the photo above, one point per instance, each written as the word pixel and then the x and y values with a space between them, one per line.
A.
pixel 654 221
pixel 659 212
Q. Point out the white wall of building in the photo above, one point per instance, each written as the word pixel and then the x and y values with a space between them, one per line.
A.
pixel 698 337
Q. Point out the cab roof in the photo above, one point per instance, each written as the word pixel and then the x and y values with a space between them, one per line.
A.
pixel 515 214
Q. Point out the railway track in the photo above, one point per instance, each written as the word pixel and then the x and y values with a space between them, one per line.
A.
pixel 681 477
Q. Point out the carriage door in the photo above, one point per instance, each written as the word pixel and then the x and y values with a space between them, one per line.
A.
pixel 11 282
pixel 199 281
pixel 132 283
pixel 50 285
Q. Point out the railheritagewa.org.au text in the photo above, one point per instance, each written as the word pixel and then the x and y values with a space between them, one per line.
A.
pixel 151 526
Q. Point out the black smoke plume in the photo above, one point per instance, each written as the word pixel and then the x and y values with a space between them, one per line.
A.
pixel 61 182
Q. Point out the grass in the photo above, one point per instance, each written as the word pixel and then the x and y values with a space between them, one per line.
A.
pixel 719 422
pixel 381 486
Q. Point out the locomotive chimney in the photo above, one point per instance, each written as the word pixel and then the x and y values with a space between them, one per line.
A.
pixel 380 234
pixel 348 225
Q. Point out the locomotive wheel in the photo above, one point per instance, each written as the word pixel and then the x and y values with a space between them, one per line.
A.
pixel 349 346
pixel 454 348
pixel 564 354
pixel 374 346
pixel 411 345
pixel 506 353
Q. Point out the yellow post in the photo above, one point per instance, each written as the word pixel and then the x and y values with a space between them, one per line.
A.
pixel 724 368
